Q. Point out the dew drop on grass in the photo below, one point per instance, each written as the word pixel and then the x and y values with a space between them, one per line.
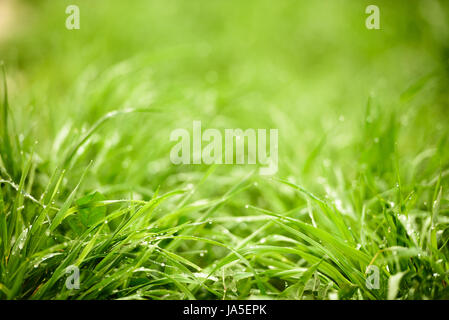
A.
pixel 246 206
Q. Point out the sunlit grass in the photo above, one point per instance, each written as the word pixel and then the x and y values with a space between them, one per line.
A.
pixel 86 179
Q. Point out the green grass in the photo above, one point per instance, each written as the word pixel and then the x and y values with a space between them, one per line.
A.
pixel 86 178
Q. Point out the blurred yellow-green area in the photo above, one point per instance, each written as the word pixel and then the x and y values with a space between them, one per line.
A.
pixel 300 66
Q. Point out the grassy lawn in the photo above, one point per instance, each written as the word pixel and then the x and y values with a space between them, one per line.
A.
pixel 86 181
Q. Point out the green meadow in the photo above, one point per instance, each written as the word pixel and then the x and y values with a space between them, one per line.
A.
pixel 361 193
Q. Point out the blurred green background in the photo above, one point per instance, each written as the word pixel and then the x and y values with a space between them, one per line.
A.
pixel 308 68
pixel 305 67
